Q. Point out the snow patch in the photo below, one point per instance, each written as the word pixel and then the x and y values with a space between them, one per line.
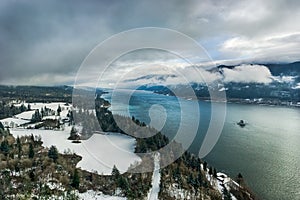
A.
pixel 27 115
pixel 13 122
pixel 93 195
pixel 220 182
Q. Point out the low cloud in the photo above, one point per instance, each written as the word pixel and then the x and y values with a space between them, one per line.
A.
pixel 167 74
pixel 285 79
pixel 248 74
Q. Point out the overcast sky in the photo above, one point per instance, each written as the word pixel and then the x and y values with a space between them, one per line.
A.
pixel 45 42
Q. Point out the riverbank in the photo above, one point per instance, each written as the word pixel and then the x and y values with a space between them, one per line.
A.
pixel 253 101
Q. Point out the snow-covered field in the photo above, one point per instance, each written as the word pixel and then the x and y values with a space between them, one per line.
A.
pixel 13 122
pixel 26 116
pixel 52 106
pixel 99 153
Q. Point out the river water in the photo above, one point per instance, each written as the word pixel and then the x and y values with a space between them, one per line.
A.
pixel 266 151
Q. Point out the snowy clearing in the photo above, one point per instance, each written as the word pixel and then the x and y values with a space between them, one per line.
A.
pixel 52 106
pixel 13 122
pixel 27 115
pixel 99 153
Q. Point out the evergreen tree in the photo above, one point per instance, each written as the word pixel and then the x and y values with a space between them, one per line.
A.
pixel 199 178
pixel 29 107
pixel 204 165
pixel 42 112
pixel 1 126
pixel 226 194
pixel 19 146
pixel 196 184
pixel 23 108
pixel 73 133
pixel 190 179
pixel 71 117
pixel 115 172
pixel 239 179
pixel 36 117
pixel 31 151
pixel 53 153
pixel 32 175
pixel 46 111
pixel 240 175
pixel 123 183
pixel 215 173
pixel 58 110
pixel 210 172
pixel 4 147
pixel 75 179
pixel 2 131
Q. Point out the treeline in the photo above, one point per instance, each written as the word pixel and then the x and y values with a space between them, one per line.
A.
pixel 36 93
pixel 30 94
pixel 186 175
pixel 8 110
pixel 27 170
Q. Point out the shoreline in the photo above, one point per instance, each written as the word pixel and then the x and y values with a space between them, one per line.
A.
pixel 254 101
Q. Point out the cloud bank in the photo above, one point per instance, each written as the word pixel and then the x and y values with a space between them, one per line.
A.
pixel 248 74
pixel 44 42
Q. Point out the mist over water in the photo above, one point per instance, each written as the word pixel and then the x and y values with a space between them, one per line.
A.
pixel 266 151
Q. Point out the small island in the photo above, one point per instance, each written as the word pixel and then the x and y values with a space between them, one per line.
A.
pixel 242 123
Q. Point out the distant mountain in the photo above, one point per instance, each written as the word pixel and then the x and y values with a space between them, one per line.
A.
pixel 279 69
pixel 157 77
pixel 37 93
pixel 284 89
pixel 275 68
pixel 284 69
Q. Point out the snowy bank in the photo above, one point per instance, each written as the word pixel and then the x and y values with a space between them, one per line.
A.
pixel 99 153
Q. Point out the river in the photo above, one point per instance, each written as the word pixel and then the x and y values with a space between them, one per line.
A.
pixel 266 151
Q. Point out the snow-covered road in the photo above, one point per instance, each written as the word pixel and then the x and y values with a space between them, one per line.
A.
pixel 153 192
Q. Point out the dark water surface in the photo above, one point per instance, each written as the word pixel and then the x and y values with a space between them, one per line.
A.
pixel 266 151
